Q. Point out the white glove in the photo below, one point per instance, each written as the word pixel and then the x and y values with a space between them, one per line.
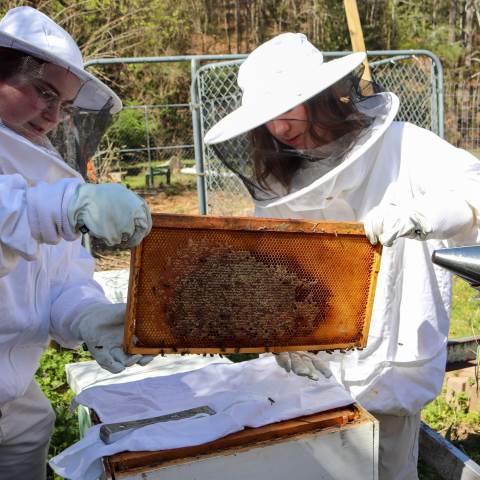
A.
pixel 111 212
pixel 426 217
pixel 305 364
pixel 101 327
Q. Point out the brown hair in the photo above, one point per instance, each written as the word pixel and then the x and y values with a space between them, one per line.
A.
pixel 14 61
pixel 333 110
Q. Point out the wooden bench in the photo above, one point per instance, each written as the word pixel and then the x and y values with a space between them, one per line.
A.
pixel 160 170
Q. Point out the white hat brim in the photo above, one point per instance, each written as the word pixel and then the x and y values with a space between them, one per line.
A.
pixel 93 94
pixel 248 117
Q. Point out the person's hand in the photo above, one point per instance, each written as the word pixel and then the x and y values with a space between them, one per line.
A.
pixel 305 364
pixel 110 212
pixel 386 223
pixel 425 217
pixel 101 326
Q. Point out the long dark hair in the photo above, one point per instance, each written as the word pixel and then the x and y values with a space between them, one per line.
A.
pixel 333 110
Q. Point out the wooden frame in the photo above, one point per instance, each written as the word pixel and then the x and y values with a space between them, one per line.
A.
pixel 284 232
pixel 138 462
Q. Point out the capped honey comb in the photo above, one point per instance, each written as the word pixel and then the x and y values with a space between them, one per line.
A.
pixel 202 284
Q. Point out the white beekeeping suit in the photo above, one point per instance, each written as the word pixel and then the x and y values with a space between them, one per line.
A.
pixel 40 285
pixel 318 148
pixel 403 365
pixel 46 277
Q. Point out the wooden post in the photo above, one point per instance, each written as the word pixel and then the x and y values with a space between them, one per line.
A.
pixel 356 34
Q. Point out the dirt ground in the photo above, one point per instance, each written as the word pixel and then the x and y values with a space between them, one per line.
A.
pixel 184 202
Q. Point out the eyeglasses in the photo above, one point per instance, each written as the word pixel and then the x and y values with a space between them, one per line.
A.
pixel 52 99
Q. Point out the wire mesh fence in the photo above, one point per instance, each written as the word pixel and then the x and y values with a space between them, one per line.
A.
pixel 462 114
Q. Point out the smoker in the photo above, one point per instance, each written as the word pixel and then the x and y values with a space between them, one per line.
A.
pixel 462 261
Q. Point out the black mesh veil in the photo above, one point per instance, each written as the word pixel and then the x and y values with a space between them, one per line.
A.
pixel 268 167
pixel 78 136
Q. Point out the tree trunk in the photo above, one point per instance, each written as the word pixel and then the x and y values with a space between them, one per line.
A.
pixel 237 25
pixel 452 20
pixel 468 32
pixel 226 24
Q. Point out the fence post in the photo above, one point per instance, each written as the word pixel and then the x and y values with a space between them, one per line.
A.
pixel 197 140
pixel 438 69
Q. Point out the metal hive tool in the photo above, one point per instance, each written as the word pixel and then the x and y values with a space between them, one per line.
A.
pixel 203 284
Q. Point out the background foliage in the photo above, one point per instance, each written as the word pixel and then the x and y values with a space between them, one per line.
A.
pixel 114 28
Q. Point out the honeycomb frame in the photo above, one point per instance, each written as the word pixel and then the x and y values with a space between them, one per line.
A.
pixel 203 284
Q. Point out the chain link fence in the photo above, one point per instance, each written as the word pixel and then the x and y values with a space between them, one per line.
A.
pixel 415 76
pixel 462 114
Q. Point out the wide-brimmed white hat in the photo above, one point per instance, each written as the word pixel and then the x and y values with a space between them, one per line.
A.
pixel 276 77
pixel 32 32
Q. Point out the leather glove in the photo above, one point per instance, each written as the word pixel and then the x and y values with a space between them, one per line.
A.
pixel 426 217
pixel 111 212
pixel 101 327
pixel 305 364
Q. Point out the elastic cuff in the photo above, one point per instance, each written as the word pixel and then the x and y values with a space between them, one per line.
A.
pixel 447 215
pixel 47 210
pixel 69 232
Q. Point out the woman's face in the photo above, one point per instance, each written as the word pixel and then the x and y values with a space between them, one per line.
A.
pixel 293 128
pixel 32 105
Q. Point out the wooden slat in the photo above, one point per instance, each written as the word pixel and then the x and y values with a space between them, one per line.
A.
pixel 356 34
pixel 204 222
pixel 449 462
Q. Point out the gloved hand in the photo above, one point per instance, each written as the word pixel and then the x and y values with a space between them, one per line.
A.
pixel 111 212
pixel 305 364
pixel 101 326
pixel 425 217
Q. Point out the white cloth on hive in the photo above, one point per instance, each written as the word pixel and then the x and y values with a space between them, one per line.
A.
pixel 247 394
pixel 114 284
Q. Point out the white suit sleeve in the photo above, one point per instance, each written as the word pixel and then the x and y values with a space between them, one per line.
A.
pixel 30 216
pixel 447 177
pixel 73 288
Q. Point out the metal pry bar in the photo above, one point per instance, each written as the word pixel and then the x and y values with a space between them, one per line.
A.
pixel 111 432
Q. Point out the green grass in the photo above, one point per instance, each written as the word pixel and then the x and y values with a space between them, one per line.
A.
pixel 179 182
pixel 465 318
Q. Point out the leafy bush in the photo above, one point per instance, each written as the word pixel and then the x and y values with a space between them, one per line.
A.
pixel 52 380
pixel 129 129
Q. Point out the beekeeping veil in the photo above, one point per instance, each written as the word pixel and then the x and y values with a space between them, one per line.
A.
pixel 32 48
pixel 345 116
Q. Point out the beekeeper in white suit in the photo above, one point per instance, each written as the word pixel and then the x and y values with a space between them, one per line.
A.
pixel 318 148
pixel 46 285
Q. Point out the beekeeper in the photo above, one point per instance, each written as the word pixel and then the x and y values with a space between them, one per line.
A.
pixel 46 285
pixel 314 145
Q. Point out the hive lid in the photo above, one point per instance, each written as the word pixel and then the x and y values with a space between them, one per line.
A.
pixel 203 284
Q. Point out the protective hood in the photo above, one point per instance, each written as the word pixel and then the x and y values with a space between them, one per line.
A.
pixel 276 77
pixel 318 182
pixel 35 163
pixel 32 32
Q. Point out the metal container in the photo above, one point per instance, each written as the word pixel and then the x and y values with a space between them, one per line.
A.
pixel 463 261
